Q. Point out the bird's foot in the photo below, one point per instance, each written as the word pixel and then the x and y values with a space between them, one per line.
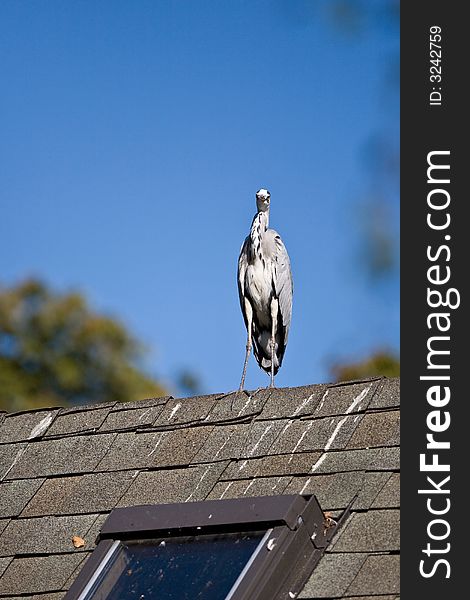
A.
pixel 234 394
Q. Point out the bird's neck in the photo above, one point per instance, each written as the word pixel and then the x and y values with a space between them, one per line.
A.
pixel 259 225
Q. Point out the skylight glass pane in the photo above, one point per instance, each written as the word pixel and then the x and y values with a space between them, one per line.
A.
pixel 203 567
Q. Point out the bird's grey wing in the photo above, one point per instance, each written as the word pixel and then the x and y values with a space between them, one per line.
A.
pixel 283 284
pixel 242 266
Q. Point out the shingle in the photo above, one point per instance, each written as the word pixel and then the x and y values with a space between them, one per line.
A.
pixel 332 491
pixel 389 496
pixel 38 574
pixel 3 524
pixel 237 406
pixel 346 399
pixel 179 411
pixel 388 394
pixel 222 443
pixel 380 574
pixel 53 596
pixel 332 576
pixel 373 459
pixel 24 426
pixel 371 531
pixel 145 403
pixel 78 494
pixel 44 535
pixel 263 486
pixel 316 434
pixel 154 449
pixel 377 429
pixel 67 455
pixel 175 485
pixel 292 402
pixel 79 422
pixel 261 437
pixel 131 419
pixel 132 451
pixel 281 464
pixel 93 532
pixel 15 495
pixel 9 455
pixel 84 407
pixel 4 562
pixel 372 485
pixel 335 491
pixel 73 576
pixel 381 597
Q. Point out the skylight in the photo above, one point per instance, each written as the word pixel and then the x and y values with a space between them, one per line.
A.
pixel 215 550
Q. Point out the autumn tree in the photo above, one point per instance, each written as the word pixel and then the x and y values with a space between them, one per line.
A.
pixel 55 351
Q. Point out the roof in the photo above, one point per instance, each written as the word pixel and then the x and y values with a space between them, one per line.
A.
pixel 63 470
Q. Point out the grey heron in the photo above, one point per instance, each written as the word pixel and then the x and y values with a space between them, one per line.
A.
pixel 265 290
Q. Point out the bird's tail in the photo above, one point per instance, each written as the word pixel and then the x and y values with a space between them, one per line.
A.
pixel 262 351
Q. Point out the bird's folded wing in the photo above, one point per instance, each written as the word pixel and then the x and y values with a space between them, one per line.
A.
pixel 283 283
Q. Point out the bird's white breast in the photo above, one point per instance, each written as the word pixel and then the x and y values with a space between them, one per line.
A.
pixel 259 277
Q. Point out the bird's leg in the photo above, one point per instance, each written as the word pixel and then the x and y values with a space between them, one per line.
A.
pixel 249 322
pixel 274 310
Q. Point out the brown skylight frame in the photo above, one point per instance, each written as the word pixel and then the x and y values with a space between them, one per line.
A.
pixel 298 535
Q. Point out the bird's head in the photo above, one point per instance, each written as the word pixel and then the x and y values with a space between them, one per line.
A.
pixel 262 200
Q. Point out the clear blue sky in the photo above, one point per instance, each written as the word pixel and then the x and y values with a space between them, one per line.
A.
pixel 134 135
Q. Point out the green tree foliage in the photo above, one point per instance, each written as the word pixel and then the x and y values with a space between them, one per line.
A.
pixel 382 362
pixel 55 351
pixel 377 209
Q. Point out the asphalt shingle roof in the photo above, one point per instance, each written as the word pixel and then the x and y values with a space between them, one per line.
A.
pixel 63 470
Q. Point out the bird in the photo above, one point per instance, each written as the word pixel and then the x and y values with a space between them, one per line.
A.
pixel 265 290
